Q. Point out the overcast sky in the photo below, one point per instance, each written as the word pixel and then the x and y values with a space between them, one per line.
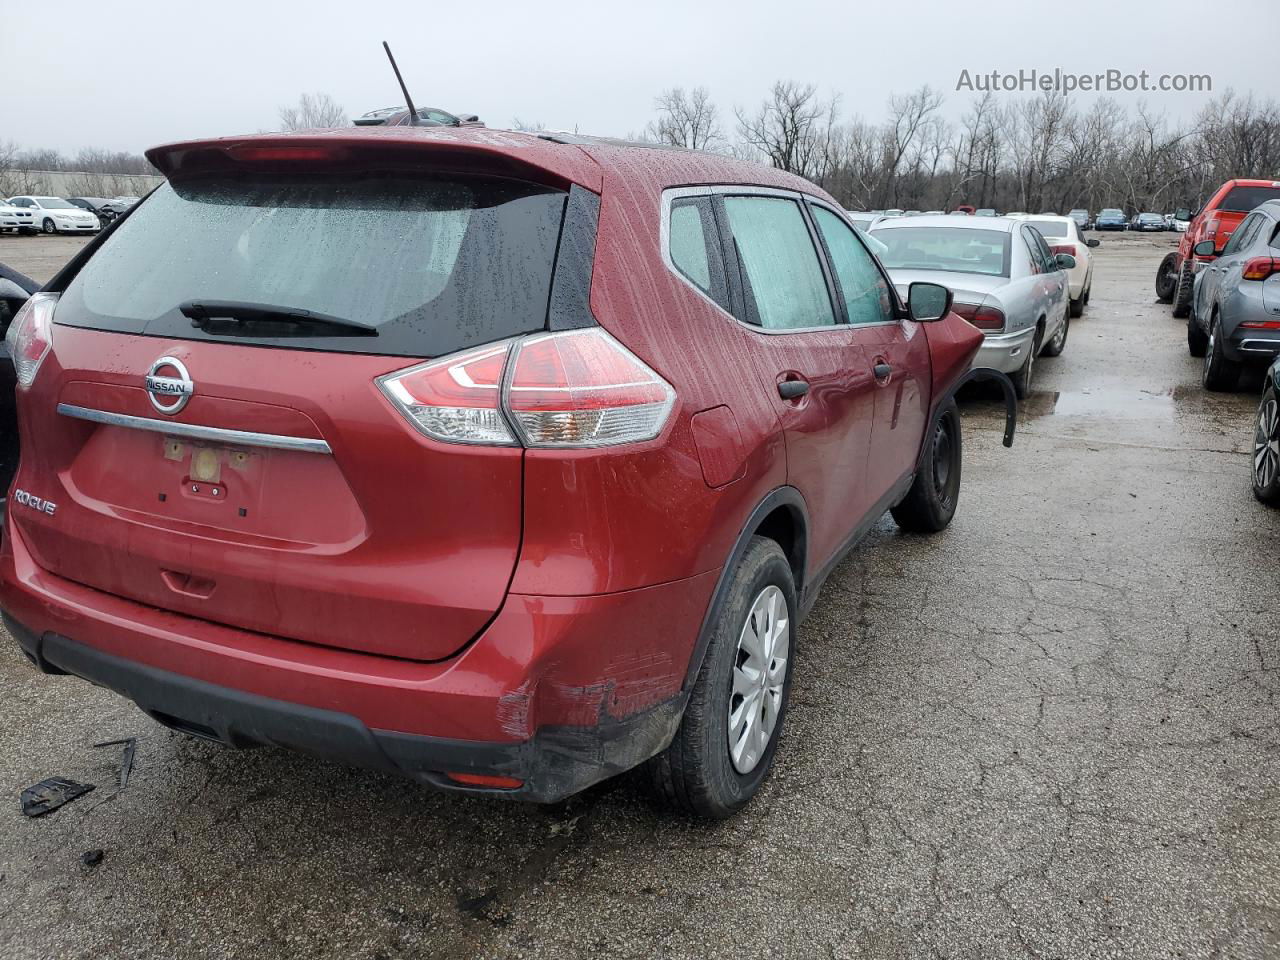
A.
pixel 124 76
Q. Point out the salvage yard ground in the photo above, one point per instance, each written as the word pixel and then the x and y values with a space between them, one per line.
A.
pixel 1050 731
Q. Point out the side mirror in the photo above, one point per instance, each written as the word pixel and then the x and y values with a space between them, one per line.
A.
pixel 927 302
pixel 1065 261
pixel 1093 242
pixel 1205 248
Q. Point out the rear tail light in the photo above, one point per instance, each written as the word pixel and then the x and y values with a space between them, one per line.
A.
pixel 1068 248
pixel 1211 228
pixel 580 388
pixel 1259 268
pixel 584 389
pixel 984 317
pixel 31 335
pixel 1260 325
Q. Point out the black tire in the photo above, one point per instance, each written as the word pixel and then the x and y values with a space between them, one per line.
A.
pixel 1197 340
pixel 1182 293
pixel 28 231
pixel 1266 447
pixel 1022 379
pixel 1167 278
pixel 49 227
pixel 931 502
pixel 1077 310
pixel 1219 373
pixel 695 774
pixel 1055 346
pixel 1087 291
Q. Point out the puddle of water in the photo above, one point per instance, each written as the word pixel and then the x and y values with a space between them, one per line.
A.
pixel 1108 403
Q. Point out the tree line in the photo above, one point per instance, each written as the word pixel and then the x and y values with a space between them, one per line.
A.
pixel 1036 153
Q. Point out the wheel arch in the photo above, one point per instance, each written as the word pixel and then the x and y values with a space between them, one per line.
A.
pixel 782 517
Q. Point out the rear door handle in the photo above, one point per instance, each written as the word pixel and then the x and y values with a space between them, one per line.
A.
pixel 792 389
pixel 882 371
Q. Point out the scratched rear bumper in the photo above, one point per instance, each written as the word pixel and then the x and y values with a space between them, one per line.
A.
pixel 558 692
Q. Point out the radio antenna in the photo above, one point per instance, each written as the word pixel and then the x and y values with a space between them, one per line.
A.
pixel 413 112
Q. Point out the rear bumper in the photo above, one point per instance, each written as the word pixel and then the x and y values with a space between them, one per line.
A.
pixel 558 693
pixel 1006 352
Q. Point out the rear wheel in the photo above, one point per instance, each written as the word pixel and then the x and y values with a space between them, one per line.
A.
pixel 1197 342
pixel 1022 379
pixel 1182 292
pixel 1220 373
pixel 1167 278
pixel 727 738
pixel 931 502
pixel 1266 448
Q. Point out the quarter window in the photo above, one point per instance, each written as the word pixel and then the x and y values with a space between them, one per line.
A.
pixel 784 285
pixel 694 247
pixel 862 285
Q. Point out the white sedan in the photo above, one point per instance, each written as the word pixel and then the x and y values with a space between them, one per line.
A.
pixel 1064 236
pixel 55 215
pixel 15 218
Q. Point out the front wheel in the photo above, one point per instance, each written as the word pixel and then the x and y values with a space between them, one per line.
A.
pixel 49 227
pixel 931 502
pixel 1055 346
pixel 1266 448
pixel 727 738
pixel 1167 278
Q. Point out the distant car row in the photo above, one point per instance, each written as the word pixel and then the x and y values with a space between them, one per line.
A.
pixel 1111 218
pixel 35 214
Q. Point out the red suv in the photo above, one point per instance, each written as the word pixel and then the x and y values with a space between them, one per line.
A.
pixel 1226 209
pixel 502 462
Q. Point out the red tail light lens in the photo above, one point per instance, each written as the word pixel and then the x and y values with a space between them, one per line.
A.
pixel 458 399
pixel 1068 248
pixel 984 317
pixel 580 388
pixel 31 335
pixel 1260 325
pixel 1259 268
pixel 583 388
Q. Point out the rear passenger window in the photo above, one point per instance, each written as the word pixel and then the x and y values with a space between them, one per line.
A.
pixel 695 248
pixel 862 285
pixel 784 284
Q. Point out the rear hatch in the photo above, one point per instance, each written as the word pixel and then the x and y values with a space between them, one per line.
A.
pixel 279 491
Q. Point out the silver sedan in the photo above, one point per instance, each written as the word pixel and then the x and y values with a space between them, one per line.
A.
pixel 1006 282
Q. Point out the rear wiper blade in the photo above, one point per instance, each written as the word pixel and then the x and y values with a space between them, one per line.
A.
pixel 266 318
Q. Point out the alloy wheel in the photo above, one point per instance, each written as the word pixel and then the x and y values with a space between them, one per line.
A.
pixel 1266 445
pixel 759 673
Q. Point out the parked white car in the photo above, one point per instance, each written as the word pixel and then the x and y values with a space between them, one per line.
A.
pixel 1064 236
pixel 15 218
pixel 1005 280
pixel 55 215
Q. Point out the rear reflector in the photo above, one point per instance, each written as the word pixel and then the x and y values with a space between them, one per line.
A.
pixel 579 388
pixel 1259 268
pixel 31 335
pixel 984 318
pixel 485 780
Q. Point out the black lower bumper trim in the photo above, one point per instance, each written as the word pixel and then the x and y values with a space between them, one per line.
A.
pixel 556 763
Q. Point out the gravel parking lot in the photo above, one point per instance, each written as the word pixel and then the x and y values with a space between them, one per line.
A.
pixel 1051 731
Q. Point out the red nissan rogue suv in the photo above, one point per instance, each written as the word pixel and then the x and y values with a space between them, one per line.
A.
pixel 503 462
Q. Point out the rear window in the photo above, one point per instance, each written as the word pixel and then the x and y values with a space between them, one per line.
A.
pixel 957 249
pixel 1244 199
pixel 434 265
pixel 1050 228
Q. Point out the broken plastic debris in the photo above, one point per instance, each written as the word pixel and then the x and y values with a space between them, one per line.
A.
pixel 48 795
pixel 130 745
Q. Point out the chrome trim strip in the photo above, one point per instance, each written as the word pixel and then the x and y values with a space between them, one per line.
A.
pixel 191 431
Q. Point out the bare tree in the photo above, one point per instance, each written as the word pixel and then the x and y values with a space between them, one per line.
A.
pixel 313 110
pixel 792 129
pixel 907 115
pixel 688 120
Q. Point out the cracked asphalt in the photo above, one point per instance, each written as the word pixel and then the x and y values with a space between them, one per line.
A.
pixel 1050 731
